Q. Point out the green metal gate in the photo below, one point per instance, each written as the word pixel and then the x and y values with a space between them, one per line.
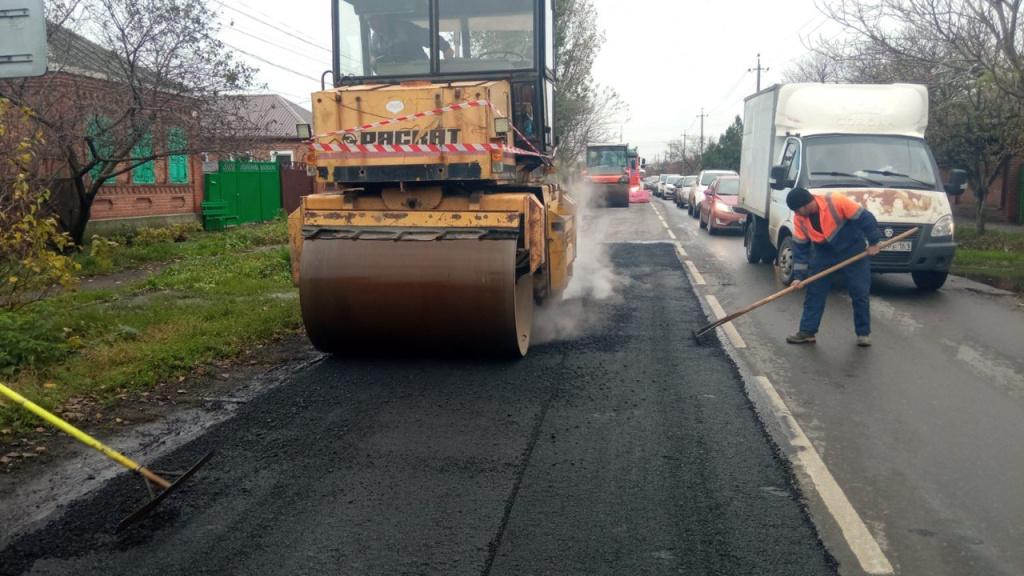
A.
pixel 241 192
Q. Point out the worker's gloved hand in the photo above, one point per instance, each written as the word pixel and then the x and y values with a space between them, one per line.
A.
pixel 797 285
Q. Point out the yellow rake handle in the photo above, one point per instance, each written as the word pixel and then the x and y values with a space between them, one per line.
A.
pixel 82 436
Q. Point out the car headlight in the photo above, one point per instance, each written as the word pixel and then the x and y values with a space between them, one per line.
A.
pixel 944 227
pixel 722 207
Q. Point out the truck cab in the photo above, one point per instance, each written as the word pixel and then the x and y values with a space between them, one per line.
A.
pixel 449 41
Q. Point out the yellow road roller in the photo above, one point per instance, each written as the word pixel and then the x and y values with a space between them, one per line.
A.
pixel 437 225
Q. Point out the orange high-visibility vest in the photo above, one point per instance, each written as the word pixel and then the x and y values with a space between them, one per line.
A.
pixel 834 210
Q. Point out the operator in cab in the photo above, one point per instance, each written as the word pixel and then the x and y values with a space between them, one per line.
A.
pixel 397 40
pixel 839 229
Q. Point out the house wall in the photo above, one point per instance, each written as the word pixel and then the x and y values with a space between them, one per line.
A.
pixel 127 200
pixel 119 198
pixel 1003 201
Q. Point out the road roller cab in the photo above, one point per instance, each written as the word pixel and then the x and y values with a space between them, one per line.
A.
pixel 439 224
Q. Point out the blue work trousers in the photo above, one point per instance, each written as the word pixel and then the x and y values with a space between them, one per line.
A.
pixel 858 283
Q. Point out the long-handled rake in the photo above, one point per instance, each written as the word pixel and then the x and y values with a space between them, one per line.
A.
pixel 156 495
pixel 700 332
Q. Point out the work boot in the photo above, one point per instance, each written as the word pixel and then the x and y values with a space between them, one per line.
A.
pixel 802 337
pixel 864 340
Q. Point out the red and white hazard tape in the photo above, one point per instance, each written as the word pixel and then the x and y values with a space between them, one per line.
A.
pixel 416 148
pixel 474 104
pixel 424 148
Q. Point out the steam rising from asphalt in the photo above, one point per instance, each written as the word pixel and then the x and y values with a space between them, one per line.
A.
pixel 594 278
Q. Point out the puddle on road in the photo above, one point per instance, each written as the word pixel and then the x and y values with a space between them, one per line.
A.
pixel 1008 283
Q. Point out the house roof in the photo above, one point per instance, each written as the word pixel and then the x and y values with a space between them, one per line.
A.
pixel 72 53
pixel 277 115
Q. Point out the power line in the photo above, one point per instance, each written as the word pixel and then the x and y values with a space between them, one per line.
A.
pixel 275 27
pixel 265 61
pixel 278 46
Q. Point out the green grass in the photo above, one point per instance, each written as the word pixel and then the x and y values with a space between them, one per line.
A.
pixel 216 299
pixel 149 246
pixel 995 256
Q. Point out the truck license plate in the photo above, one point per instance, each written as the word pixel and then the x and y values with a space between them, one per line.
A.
pixel 899 247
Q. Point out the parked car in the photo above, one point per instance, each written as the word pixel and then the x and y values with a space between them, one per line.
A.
pixel 718 209
pixel 650 182
pixel 671 187
pixel 683 190
pixel 695 195
pixel 662 180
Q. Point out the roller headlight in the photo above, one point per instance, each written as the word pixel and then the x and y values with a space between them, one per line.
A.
pixel 944 227
pixel 624 179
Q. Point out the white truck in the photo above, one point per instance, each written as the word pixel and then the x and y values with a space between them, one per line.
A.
pixel 865 141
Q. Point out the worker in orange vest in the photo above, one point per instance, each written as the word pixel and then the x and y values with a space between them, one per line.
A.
pixel 838 229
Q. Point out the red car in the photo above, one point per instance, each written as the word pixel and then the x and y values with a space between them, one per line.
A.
pixel 718 210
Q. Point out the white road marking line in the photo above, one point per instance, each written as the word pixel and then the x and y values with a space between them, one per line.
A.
pixel 679 249
pixel 730 330
pixel 865 547
pixel 671 234
pixel 697 278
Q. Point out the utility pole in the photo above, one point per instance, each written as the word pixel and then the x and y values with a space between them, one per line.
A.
pixel 758 69
pixel 702 116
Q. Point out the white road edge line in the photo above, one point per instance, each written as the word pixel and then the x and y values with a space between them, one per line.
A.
pixel 680 251
pixel 697 278
pixel 671 234
pixel 865 547
pixel 730 330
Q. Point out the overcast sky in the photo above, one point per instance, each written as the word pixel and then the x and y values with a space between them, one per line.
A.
pixel 666 58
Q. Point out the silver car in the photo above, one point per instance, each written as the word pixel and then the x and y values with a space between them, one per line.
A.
pixel 696 192
pixel 683 190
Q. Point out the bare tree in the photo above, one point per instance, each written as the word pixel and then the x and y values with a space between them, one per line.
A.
pixel 585 110
pixel 971 35
pixel 969 54
pixel 818 66
pixel 131 81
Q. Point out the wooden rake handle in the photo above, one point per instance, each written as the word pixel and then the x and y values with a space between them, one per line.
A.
pixel 791 288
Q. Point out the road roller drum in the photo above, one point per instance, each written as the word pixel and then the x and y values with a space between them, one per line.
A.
pixel 459 275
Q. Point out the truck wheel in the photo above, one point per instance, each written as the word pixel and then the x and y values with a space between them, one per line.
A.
pixel 750 242
pixel 930 280
pixel 786 261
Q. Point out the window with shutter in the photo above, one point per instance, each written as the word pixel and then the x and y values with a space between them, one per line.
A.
pixel 98 128
pixel 143 174
pixel 177 164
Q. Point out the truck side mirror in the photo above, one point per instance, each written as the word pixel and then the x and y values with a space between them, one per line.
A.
pixel 957 182
pixel 778 178
pixel 643 162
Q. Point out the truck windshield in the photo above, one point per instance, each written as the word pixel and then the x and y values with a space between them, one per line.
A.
pixel 392 37
pixel 870 161
pixel 604 161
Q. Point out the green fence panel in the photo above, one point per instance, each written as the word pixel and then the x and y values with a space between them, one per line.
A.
pixel 242 192
pixel 249 192
pixel 229 188
pixel 270 190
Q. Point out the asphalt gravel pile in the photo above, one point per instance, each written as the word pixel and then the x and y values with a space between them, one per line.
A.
pixel 625 450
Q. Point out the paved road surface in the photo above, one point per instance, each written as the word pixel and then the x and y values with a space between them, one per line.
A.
pixel 616 447
pixel 924 431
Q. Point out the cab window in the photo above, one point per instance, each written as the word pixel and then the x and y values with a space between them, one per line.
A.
pixel 488 34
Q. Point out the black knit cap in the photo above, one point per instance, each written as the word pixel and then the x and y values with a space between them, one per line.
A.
pixel 798 198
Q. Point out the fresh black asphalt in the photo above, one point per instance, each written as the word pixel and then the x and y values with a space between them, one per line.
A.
pixel 625 450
